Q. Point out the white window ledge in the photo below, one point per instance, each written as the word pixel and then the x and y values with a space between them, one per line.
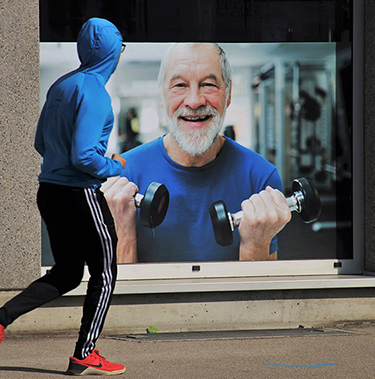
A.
pixel 154 286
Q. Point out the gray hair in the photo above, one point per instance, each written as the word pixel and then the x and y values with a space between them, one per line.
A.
pixel 226 70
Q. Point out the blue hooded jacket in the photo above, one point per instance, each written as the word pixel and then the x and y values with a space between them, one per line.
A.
pixel 77 117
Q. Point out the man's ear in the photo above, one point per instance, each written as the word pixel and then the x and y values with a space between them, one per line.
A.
pixel 229 100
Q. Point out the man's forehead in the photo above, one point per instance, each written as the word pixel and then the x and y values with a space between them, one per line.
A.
pixel 201 54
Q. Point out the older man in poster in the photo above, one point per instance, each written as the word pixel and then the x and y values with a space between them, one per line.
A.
pixel 198 166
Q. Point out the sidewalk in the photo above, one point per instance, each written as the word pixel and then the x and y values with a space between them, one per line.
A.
pixel 345 351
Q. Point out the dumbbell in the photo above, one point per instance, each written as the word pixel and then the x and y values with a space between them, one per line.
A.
pixel 153 204
pixel 305 200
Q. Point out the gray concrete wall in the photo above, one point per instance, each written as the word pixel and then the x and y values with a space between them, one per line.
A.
pixel 20 253
pixel 206 311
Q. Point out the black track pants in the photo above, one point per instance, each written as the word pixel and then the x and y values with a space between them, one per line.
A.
pixel 81 229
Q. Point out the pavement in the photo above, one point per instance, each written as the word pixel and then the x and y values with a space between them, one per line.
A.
pixel 341 351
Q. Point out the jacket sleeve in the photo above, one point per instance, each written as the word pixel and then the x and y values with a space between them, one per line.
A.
pixel 88 143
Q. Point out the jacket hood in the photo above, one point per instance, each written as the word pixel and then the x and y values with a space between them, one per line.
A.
pixel 99 46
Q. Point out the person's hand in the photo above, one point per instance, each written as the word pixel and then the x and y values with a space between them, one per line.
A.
pixel 117 157
pixel 264 215
pixel 119 193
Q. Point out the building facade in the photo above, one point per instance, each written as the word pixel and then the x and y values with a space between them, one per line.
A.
pixel 175 304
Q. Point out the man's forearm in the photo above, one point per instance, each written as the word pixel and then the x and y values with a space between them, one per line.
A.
pixel 127 247
pixel 250 252
pixel 119 193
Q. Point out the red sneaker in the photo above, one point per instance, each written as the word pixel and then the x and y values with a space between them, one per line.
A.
pixel 94 364
pixel 2 333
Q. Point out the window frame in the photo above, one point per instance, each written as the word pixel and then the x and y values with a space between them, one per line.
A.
pixel 291 268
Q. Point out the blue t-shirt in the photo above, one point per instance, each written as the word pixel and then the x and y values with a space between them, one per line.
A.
pixel 186 234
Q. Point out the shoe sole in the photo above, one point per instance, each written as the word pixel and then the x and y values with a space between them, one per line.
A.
pixel 79 370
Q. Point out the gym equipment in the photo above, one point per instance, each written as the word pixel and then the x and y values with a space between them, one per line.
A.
pixel 153 204
pixel 305 200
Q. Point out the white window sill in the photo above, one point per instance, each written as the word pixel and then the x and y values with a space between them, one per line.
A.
pixel 154 286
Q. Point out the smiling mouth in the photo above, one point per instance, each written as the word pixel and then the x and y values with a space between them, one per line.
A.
pixel 195 118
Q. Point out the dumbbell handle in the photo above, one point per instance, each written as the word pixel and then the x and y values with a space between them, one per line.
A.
pixel 138 199
pixel 294 204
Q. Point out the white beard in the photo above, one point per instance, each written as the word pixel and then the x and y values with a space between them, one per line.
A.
pixel 196 141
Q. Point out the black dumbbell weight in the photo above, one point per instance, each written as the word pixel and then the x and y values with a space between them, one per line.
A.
pixel 305 200
pixel 153 204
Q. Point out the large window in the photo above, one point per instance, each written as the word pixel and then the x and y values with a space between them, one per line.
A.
pixel 293 101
